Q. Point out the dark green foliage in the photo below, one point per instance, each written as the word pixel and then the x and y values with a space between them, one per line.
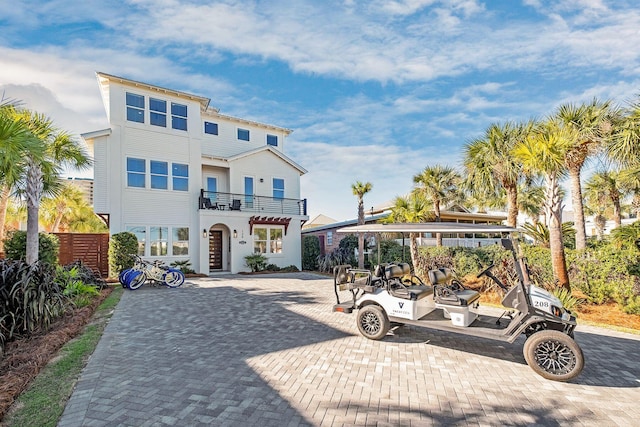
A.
pixel 121 247
pixel 184 266
pixel 256 262
pixel 338 256
pixel 310 252
pixel 271 267
pixel 349 245
pixel 15 246
pixel 391 251
pixel 70 278
pixel 30 298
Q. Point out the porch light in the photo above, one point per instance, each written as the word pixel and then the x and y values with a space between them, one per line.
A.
pixel 235 234
pixel 204 232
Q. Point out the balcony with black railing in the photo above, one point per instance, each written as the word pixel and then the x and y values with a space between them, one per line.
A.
pixel 249 203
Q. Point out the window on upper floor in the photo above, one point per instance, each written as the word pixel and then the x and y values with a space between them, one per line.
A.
pixel 159 175
pixel 178 116
pixel 135 107
pixel 272 140
pixel 211 128
pixel 158 112
pixel 243 134
pixel 278 188
pixel 136 172
pixel 180 174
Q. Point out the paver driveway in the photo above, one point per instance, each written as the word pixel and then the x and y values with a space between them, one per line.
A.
pixel 268 351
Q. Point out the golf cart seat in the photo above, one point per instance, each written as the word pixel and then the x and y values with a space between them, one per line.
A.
pixel 394 274
pixel 449 291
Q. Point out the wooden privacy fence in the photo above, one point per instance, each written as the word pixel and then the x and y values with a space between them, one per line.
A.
pixel 91 248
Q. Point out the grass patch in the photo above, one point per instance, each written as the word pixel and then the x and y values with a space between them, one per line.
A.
pixel 44 401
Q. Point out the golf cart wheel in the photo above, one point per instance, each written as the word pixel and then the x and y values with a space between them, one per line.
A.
pixel 373 322
pixel 553 355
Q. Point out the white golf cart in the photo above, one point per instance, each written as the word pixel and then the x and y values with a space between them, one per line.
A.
pixel 392 295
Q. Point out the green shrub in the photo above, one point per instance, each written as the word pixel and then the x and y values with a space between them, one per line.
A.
pixel 272 267
pixel 256 262
pixel 310 252
pixel 391 251
pixel 568 300
pixel 121 247
pixel 632 306
pixel 349 245
pixel 338 256
pixel 15 246
pixel 31 298
pixel 183 265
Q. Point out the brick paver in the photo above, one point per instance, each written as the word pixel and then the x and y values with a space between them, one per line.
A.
pixel 268 351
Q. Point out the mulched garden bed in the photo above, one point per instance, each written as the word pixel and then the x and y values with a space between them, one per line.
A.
pixel 24 358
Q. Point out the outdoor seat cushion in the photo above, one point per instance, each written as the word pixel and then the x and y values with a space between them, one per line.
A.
pixel 440 276
pixel 462 298
pixel 412 293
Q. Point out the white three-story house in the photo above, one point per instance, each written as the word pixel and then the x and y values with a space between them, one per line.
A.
pixel 194 184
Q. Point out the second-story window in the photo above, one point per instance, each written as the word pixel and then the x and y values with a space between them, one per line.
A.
pixel 278 188
pixel 135 172
pixel 180 174
pixel 135 107
pixel 159 175
pixel 178 116
pixel 272 140
pixel 158 112
pixel 211 128
pixel 243 134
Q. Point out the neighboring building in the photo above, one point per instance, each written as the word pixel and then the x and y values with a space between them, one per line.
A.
pixel 330 239
pixel 85 185
pixel 194 184
pixel 319 221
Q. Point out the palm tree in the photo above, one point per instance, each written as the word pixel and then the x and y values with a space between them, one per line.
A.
pixel 544 152
pixel 56 212
pixel 42 172
pixel 591 124
pixel 624 145
pixel 437 184
pixel 413 208
pixel 490 165
pixel 16 144
pixel 359 190
pixel 604 188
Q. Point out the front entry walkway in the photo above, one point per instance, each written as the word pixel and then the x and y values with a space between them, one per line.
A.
pixel 268 351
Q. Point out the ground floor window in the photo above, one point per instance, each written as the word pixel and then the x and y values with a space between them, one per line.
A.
pixel 267 240
pixel 160 239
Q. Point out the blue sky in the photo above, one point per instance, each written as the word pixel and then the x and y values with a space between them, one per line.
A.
pixel 374 90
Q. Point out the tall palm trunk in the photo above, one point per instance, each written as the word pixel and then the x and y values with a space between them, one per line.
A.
pixel 35 186
pixel 617 210
pixel 578 208
pixel 413 249
pixel 436 211
pixel 360 235
pixel 512 200
pixel 554 211
pixel 4 203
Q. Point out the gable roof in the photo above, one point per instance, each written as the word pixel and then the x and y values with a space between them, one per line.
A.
pixel 104 79
pixel 272 151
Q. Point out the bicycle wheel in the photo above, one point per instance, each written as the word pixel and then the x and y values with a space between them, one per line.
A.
pixel 136 279
pixel 122 277
pixel 173 278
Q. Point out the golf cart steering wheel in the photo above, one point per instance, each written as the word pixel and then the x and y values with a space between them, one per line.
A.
pixel 487 272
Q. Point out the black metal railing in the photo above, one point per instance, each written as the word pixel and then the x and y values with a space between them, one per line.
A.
pixel 257 204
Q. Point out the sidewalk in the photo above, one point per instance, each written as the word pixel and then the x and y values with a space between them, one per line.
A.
pixel 268 351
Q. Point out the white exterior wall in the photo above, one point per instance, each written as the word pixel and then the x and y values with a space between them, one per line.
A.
pixel 206 155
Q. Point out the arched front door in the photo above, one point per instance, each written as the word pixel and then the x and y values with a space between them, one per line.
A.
pixel 215 250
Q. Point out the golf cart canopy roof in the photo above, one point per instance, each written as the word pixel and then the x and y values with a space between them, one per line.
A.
pixel 428 227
